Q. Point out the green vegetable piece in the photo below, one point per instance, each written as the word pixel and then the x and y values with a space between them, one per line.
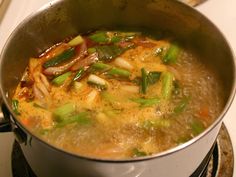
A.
pixel 108 97
pixel 76 41
pixel 64 111
pixel 79 74
pixel 91 50
pixel 157 123
pixel 15 106
pixel 64 56
pixel 128 35
pixel 197 127
pixel 36 105
pixel 108 52
pixel 99 66
pixel 137 153
pixel 119 72
pixel 181 106
pixel 59 80
pixel 171 54
pixel 167 84
pixel 144 81
pixel 82 118
pixel 153 77
pixel 116 39
pixel 148 79
pixel 97 81
pixel 146 102
pixel 123 36
pixel 99 37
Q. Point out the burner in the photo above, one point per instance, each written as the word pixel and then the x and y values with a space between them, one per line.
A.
pixel 218 162
pixel 20 167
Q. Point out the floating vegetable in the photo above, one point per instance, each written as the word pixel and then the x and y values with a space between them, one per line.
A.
pixel 79 74
pixel 64 111
pixel 82 118
pixel 64 56
pixel 56 70
pixel 108 52
pixel 145 102
pixel 91 50
pixel 121 62
pixel 156 123
pixel 137 153
pixel 181 105
pixel 61 79
pixel 99 66
pixel 171 54
pixel 153 77
pixel 76 41
pixel 197 127
pixel 93 79
pixel 167 84
pixel 100 37
pixel 15 105
pixel 119 72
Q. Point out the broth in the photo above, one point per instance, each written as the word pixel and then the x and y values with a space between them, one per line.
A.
pixel 117 95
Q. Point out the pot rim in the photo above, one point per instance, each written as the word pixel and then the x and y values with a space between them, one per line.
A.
pixel 105 160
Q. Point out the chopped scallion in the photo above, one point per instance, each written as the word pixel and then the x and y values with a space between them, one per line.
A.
pixel 167 84
pixel 93 79
pixel 171 54
pixel 197 127
pixel 181 105
pixel 79 74
pixel 137 153
pixel 99 37
pixel 153 77
pixel 99 66
pixel 15 106
pixel 64 111
pixel 119 72
pixel 145 102
pixel 82 118
pixel 64 56
pixel 91 50
pixel 59 80
pixel 76 41
pixel 157 123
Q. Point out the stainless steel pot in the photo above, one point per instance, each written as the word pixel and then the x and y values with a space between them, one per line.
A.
pixel 60 19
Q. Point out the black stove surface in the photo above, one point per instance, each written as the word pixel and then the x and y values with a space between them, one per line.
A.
pixel 218 162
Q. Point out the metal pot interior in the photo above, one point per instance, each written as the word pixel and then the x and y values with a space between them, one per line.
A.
pixel 64 18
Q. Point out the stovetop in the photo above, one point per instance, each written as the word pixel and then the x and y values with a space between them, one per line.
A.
pixel 220 12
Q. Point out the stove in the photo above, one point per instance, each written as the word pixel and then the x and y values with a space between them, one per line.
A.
pixel 220 160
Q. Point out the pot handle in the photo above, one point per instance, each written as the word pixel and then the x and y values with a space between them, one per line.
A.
pixel 5 123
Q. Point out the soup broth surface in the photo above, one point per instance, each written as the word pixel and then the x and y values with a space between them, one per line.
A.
pixel 117 95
